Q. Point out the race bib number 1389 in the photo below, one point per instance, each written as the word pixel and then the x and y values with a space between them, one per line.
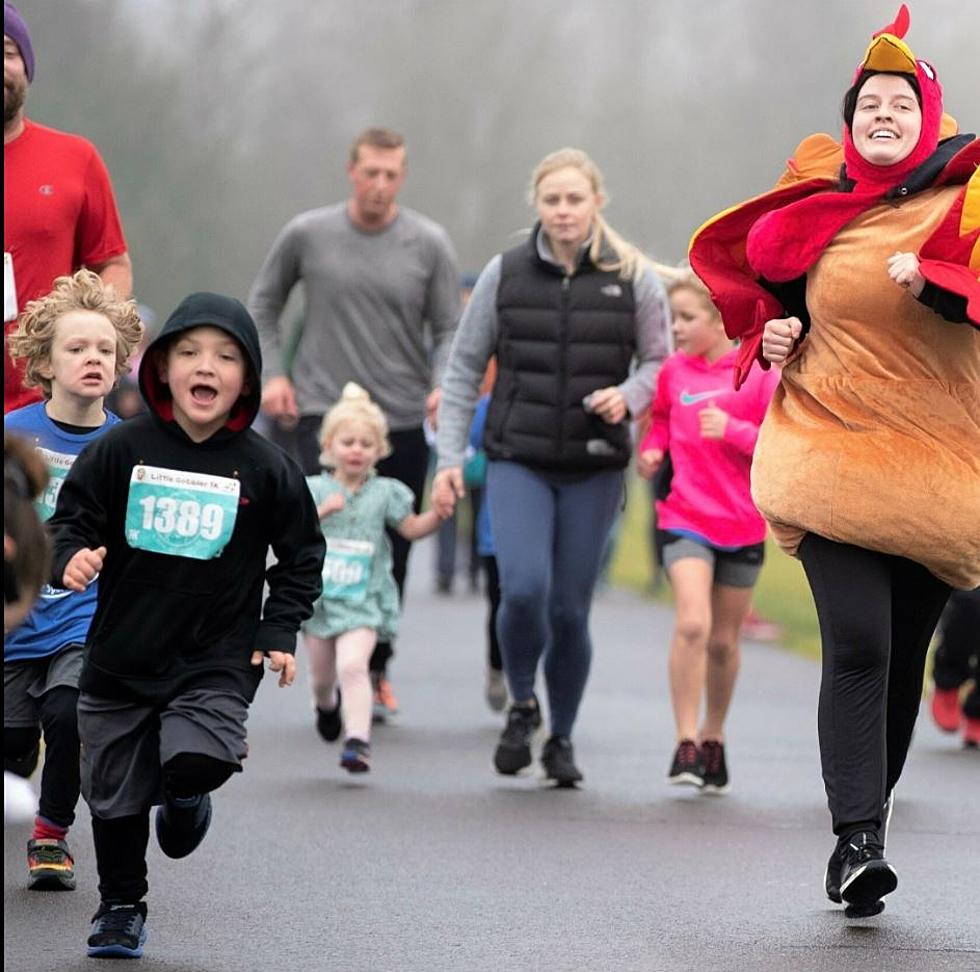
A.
pixel 179 513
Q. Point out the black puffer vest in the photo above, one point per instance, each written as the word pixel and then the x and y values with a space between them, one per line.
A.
pixel 560 338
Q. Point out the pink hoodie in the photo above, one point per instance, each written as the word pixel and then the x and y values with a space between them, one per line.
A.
pixel 709 492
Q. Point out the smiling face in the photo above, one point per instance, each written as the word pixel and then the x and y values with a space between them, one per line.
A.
pixel 355 448
pixel 887 120
pixel 697 326
pixel 82 362
pixel 206 370
pixel 567 205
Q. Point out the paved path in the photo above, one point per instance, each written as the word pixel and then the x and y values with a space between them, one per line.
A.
pixel 433 862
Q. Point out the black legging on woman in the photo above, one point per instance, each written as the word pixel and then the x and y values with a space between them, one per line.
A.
pixel 877 615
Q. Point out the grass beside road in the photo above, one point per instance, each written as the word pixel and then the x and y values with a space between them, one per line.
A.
pixel 782 594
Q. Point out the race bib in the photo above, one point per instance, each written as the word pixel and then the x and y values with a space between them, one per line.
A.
pixel 58 464
pixel 180 514
pixel 347 569
pixel 9 289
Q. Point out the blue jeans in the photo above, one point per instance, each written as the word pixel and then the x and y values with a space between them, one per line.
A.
pixel 549 536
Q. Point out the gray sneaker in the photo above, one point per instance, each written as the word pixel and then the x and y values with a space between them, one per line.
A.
pixel 496 690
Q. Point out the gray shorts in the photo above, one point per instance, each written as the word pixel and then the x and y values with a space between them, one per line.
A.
pixel 732 568
pixel 124 744
pixel 24 682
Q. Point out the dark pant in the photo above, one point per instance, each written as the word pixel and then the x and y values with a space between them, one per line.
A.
pixel 877 614
pixel 957 657
pixel 408 463
pixel 493 600
pixel 60 778
pixel 549 533
pixel 120 843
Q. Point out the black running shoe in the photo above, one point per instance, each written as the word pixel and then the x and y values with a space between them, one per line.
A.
pixel 328 722
pixel 558 760
pixel 182 823
pixel 686 767
pixel 118 931
pixel 356 757
pixel 513 752
pixel 831 877
pixel 714 772
pixel 865 875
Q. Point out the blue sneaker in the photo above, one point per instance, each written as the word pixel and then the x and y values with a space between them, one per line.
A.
pixel 118 931
pixel 356 757
pixel 182 823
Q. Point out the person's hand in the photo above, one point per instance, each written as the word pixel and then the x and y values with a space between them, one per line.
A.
pixel 279 400
pixel 608 404
pixel 713 422
pixel 432 407
pixel 83 568
pixel 648 462
pixel 778 338
pixel 333 503
pixel 279 661
pixel 903 268
pixel 447 487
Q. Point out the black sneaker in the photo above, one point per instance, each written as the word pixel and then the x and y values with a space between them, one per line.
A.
pixel 686 767
pixel 356 757
pixel 328 722
pixel 118 931
pixel 558 761
pixel 513 752
pixel 831 876
pixel 865 875
pixel 182 823
pixel 714 772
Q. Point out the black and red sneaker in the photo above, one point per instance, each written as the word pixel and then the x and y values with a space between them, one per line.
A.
pixel 686 768
pixel 714 770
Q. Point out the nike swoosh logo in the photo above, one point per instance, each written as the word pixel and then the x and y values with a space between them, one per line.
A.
pixel 692 398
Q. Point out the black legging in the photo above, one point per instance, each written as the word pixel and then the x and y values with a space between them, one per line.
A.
pixel 957 657
pixel 494 658
pixel 877 613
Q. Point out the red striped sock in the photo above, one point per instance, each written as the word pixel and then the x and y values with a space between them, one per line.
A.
pixel 45 830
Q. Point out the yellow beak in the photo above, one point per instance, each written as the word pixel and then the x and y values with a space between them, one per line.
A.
pixel 888 53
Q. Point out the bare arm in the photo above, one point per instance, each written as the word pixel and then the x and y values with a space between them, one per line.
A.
pixel 418 525
pixel 117 272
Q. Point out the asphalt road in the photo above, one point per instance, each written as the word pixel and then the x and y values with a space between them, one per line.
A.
pixel 433 862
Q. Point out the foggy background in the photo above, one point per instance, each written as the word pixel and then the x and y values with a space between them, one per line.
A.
pixel 221 119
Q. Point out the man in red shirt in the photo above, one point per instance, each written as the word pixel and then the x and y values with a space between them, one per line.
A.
pixel 59 210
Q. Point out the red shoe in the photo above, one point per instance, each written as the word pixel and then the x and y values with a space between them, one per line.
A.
pixel 946 709
pixel 758 629
pixel 971 733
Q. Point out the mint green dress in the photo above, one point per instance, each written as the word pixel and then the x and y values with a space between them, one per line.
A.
pixel 358 586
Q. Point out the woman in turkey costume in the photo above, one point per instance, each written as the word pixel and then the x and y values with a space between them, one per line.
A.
pixel 859 274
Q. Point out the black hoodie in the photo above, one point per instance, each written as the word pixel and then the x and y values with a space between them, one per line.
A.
pixel 164 618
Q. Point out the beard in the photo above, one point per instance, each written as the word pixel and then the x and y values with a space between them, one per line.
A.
pixel 14 96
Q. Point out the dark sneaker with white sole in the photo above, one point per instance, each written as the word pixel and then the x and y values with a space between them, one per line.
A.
pixel 865 876
pixel 181 824
pixel 714 770
pixel 831 876
pixel 558 762
pixel 686 766
pixel 513 752
pixel 118 931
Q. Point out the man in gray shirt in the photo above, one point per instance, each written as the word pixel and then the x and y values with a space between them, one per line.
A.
pixel 376 277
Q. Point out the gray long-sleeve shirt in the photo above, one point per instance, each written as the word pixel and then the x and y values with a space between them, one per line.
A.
pixel 476 340
pixel 369 299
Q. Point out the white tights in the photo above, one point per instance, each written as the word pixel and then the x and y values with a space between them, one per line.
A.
pixel 345 659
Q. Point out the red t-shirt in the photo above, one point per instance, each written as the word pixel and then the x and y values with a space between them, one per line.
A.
pixel 59 214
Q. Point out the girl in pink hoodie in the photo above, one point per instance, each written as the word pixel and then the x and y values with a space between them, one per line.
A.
pixel 710 536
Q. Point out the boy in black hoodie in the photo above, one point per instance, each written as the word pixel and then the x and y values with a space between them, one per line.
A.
pixel 176 511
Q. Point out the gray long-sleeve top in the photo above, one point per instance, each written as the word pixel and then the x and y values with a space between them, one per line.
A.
pixel 476 341
pixel 369 299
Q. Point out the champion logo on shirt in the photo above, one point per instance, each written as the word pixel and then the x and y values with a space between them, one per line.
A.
pixel 46 190
pixel 692 398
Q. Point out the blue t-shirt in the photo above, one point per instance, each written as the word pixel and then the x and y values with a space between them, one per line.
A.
pixel 61 617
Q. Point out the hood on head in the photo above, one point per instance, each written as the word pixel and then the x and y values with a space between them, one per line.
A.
pixel 889 54
pixel 201 310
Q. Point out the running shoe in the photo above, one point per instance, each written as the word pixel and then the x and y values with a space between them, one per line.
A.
pixel 831 877
pixel 759 629
pixel 496 690
pixel 50 866
pixel 686 766
pixel 118 931
pixel 865 876
pixel 356 757
pixel 181 823
pixel 971 732
pixel 714 771
pixel 945 709
pixel 558 761
pixel 513 752
pixel 385 703
pixel 329 723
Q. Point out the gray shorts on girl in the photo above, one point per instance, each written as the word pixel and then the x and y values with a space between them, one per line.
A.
pixel 125 744
pixel 732 568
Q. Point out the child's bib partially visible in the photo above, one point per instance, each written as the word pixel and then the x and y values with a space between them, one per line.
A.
pixel 347 569
pixel 180 514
